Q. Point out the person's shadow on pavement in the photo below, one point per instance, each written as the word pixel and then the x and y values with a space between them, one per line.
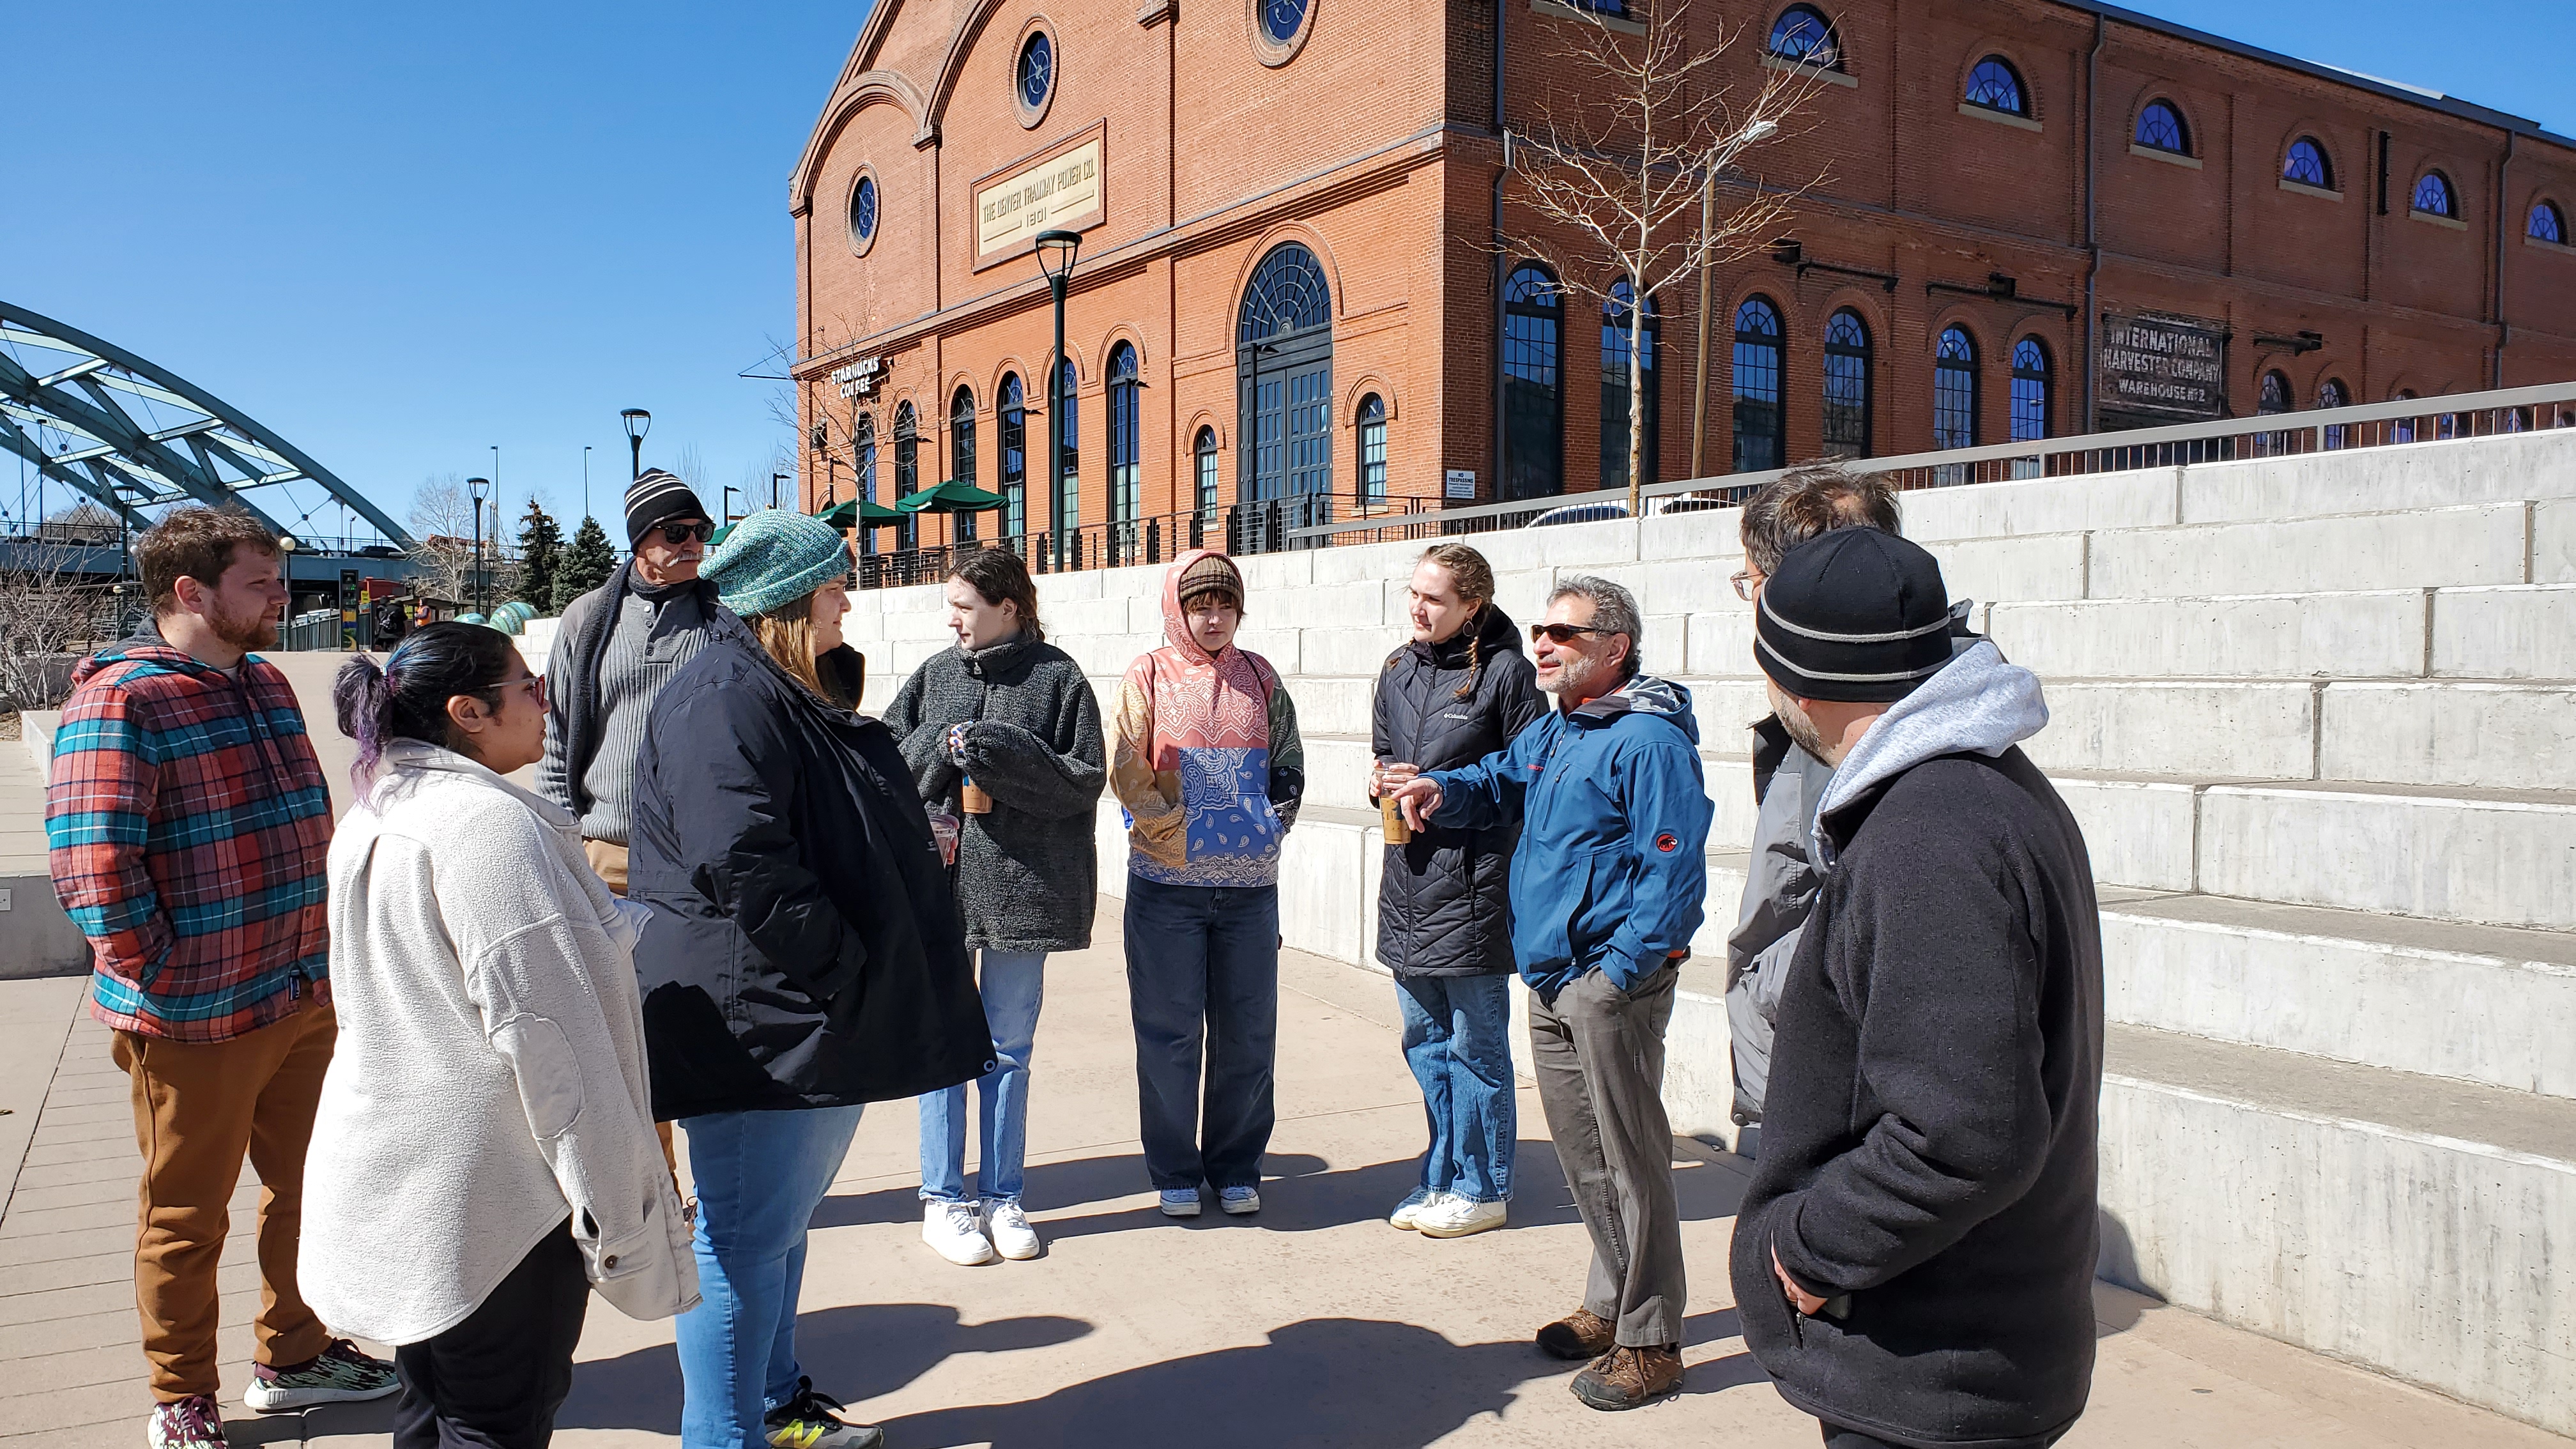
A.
pixel 853 1353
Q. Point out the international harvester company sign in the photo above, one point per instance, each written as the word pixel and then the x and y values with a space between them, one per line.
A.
pixel 2164 368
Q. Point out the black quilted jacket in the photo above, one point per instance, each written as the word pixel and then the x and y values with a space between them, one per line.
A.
pixel 1444 906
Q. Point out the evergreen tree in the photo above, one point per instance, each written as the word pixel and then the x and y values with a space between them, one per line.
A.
pixel 541 550
pixel 585 565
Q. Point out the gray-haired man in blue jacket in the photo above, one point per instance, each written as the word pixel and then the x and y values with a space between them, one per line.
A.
pixel 1607 889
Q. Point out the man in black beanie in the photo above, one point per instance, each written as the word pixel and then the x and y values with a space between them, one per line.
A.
pixel 1913 1262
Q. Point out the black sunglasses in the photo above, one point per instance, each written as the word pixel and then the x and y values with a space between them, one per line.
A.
pixel 681 533
pixel 1562 633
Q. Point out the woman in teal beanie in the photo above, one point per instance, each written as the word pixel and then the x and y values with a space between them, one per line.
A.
pixel 805 958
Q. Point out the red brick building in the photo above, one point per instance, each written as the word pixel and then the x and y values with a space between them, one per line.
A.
pixel 2041 217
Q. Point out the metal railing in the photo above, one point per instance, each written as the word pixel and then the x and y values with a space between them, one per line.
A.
pixel 2410 420
pixel 1264 526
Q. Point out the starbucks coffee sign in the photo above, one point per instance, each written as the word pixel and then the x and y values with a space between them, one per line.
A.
pixel 1060 191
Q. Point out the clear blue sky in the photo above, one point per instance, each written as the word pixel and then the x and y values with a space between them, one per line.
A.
pixel 399 235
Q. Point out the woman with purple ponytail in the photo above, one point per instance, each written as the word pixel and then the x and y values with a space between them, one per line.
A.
pixel 484 1153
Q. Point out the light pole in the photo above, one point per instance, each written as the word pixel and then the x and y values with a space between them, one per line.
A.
pixel 475 486
pixel 774 480
pixel 1056 250
pixel 585 480
pixel 730 515
pixel 638 423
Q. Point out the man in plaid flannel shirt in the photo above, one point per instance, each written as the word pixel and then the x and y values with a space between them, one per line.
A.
pixel 189 822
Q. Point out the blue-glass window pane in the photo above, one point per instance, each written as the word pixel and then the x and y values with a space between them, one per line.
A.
pixel 1037 70
pixel 2547 224
pixel 1372 449
pixel 1995 85
pixel 1281 18
pixel 2307 165
pixel 2433 194
pixel 1015 457
pixel 2331 394
pixel 863 210
pixel 1288 294
pixel 907 472
pixel 1124 445
pixel 2274 397
pixel 1205 449
pixel 1846 411
pixel 961 452
pixel 1954 391
pixel 1757 386
pixel 1533 416
pixel 2029 391
pixel 1068 472
pixel 2160 128
pixel 1615 318
pixel 864 463
pixel 1803 34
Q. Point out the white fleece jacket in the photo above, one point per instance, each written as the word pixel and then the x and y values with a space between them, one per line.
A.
pixel 489 1078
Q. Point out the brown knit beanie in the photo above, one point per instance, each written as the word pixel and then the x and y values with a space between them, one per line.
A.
pixel 1214 574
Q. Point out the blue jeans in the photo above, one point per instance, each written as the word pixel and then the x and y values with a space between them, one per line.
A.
pixel 1014 986
pixel 1458 1040
pixel 759 1177
pixel 1203 969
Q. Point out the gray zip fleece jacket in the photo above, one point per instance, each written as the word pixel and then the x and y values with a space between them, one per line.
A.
pixel 1028 873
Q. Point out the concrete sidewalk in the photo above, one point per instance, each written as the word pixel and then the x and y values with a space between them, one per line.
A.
pixel 1311 1324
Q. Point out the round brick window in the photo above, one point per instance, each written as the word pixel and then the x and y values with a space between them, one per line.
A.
pixel 1033 76
pixel 1279 28
pixel 866 204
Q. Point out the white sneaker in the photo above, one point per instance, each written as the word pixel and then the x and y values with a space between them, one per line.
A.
pixel 1457 1217
pixel 1180 1202
pixel 1408 1213
pixel 951 1230
pixel 1239 1200
pixel 1010 1230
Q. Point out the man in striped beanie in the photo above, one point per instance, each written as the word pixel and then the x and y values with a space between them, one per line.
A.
pixel 619 644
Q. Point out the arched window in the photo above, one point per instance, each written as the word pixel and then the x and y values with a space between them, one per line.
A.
pixel 1124 442
pixel 1203 460
pixel 2029 390
pixel 1284 372
pixel 1066 510
pixel 1803 34
pixel 1372 450
pixel 1757 385
pixel 2403 429
pixel 1846 414
pixel 2332 394
pixel 2547 223
pixel 961 454
pixel 1954 390
pixel 2161 128
pixel 1995 85
pixel 907 474
pixel 863 461
pixel 2307 165
pixel 2274 396
pixel 1614 387
pixel 1014 411
pixel 2433 195
pixel 1533 405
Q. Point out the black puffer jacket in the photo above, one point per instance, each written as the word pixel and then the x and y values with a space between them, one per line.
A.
pixel 804 949
pixel 1444 904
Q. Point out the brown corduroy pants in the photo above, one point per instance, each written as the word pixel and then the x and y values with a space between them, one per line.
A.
pixel 199 1107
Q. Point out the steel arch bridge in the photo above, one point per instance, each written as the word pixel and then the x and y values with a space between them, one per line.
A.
pixel 131 435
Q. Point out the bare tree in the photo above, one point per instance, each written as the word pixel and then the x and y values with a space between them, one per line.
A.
pixel 48 611
pixel 442 530
pixel 1633 169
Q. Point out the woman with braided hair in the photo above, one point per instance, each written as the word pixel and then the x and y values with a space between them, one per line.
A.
pixel 1457 692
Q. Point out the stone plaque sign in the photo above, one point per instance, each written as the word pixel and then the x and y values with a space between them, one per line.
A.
pixel 2167 368
pixel 1060 191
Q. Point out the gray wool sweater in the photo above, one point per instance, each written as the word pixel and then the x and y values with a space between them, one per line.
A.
pixel 1028 872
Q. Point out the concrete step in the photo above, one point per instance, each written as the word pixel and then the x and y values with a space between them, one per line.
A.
pixel 2399 1221
pixel 2274 636
pixel 2480 1004
pixel 2502 736
pixel 2504 469
pixel 2493 857
pixel 2514 631
pixel 2424 548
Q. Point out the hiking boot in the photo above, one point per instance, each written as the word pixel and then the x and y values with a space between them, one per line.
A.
pixel 340 1375
pixel 1239 1200
pixel 1579 1335
pixel 190 1423
pixel 1408 1213
pixel 1458 1217
pixel 1180 1202
pixel 1628 1378
pixel 1009 1229
pixel 807 1422
pixel 951 1229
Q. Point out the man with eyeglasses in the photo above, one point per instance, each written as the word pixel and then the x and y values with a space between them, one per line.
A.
pixel 619 644
pixel 1607 888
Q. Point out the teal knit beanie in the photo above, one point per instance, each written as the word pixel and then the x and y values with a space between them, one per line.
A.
pixel 775 557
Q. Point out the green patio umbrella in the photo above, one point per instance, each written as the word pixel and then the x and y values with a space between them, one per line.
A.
pixel 952 496
pixel 852 512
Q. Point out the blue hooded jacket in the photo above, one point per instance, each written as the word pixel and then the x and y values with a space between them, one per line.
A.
pixel 1612 868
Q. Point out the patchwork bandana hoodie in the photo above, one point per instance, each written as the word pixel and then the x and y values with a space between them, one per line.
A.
pixel 190 828
pixel 1205 759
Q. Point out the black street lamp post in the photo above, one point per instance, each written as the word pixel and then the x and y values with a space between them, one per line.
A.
pixel 638 422
pixel 774 480
pixel 481 575
pixel 1056 250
